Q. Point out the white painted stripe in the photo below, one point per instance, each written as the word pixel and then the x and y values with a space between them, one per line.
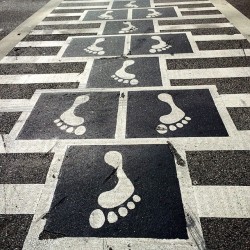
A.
pixel 209 73
pixel 55 59
pixel 64 14
pixel 19 198
pixel 223 201
pixel 120 132
pixel 96 1
pixel 197 9
pixel 68 22
pixel 236 100
pixel 13 105
pixel 63 31
pixel 82 7
pixel 180 3
pixel 38 78
pixel 195 26
pixel 241 22
pixel 41 44
pixel 218 37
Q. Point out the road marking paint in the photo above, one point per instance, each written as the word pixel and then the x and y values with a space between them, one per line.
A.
pixel 63 31
pixel 19 198
pixel 223 201
pixel 195 26
pixel 239 100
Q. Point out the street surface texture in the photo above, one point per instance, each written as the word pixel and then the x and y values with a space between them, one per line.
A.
pixel 126 125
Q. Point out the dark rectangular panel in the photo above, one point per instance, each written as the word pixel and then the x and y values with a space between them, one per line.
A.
pixel 7 121
pixel 219 167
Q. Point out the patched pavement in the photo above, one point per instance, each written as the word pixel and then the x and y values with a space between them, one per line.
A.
pixel 125 125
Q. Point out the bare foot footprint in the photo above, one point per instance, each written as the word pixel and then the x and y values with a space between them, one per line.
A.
pixel 107 15
pixel 161 46
pixel 131 5
pixel 153 14
pixel 115 197
pixel 122 76
pixel 176 119
pixel 94 49
pixel 69 121
pixel 131 28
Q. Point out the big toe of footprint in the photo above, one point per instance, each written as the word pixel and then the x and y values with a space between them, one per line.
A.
pixel 77 130
pixel 163 129
pixel 97 217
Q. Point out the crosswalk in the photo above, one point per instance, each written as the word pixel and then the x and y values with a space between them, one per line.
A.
pixel 153 94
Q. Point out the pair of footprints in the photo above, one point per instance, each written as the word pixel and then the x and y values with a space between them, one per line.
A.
pixel 98 50
pixel 108 14
pixel 71 123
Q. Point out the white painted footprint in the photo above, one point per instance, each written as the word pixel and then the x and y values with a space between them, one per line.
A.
pixel 131 28
pixel 161 46
pixel 118 196
pixel 94 49
pixel 176 119
pixel 107 15
pixel 122 76
pixel 69 121
pixel 131 5
pixel 153 14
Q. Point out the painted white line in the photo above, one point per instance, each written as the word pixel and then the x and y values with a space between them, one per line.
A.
pixel 39 59
pixel 120 132
pixel 13 105
pixel 96 1
pixel 38 78
pixel 223 201
pixel 19 198
pixel 236 100
pixel 218 37
pixel 197 9
pixel 180 3
pixel 209 73
pixel 82 7
pixel 195 26
pixel 66 22
pixel 241 22
pixel 8 42
pixel 64 14
pixel 41 44
pixel 63 31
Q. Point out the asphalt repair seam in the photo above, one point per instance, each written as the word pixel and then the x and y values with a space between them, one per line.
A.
pixel 120 133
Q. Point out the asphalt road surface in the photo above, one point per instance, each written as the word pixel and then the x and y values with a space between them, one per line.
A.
pixel 125 125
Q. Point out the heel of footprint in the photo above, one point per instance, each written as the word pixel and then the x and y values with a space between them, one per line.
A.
pixel 97 217
pixel 79 130
pixel 163 129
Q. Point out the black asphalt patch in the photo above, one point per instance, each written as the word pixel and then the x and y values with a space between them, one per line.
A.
pixel 226 233
pixel 85 46
pixel 115 14
pixel 171 44
pixel 99 114
pixel 7 121
pixel 28 168
pixel 240 117
pixel 13 230
pixel 142 72
pixel 155 13
pixel 131 4
pixel 84 175
pixel 145 110
pixel 219 167
pixel 34 51
pixel 128 27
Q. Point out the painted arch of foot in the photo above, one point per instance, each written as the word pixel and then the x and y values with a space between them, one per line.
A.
pixel 176 119
pixel 153 13
pixel 122 76
pixel 94 49
pixel 161 46
pixel 107 15
pixel 129 29
pixel 121 194
pixel 71 123
pixel 131 4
